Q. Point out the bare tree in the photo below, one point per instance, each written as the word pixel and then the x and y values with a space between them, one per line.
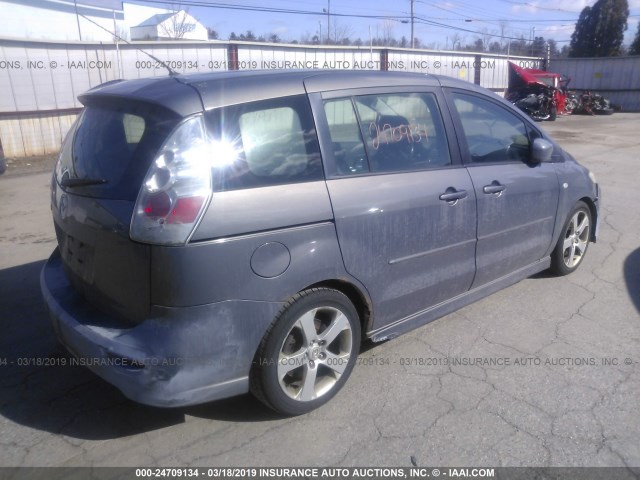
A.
pixel 485 39
pixel 120 32
pixel 178 25
pixel 341 32
pixel 456 39
pixel 387 33
pixel 308 39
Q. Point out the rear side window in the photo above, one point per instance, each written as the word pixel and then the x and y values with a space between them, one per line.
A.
pixel 387 133
pixel 114 144
pixel 264 143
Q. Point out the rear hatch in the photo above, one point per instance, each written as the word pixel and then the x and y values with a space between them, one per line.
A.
pixel 101 167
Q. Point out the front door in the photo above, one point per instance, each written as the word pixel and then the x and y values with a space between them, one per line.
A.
pixel 517 200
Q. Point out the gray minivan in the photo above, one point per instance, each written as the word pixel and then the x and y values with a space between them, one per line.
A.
pixel 246 231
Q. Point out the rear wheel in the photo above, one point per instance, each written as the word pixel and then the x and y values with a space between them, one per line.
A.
pixel 573 242
pixel 308 352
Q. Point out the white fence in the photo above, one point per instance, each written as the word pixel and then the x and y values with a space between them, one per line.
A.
pixel 616 78
pixel 40 80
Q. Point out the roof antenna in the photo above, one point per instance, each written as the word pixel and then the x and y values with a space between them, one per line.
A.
pixel 171 72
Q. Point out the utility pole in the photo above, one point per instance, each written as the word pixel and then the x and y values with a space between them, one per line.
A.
pixel 328 22
pixel 533 38
pixel 412 40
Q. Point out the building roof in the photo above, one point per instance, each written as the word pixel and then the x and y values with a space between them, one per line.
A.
pixel 156 19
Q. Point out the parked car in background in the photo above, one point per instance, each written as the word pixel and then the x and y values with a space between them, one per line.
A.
pixel 246 231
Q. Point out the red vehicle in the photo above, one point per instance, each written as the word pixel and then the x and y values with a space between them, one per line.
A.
pixel 540 94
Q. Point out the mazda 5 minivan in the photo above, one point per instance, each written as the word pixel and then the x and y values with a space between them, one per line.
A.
pixel 246 231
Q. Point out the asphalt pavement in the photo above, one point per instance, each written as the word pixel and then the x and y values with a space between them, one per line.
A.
pixel 544 373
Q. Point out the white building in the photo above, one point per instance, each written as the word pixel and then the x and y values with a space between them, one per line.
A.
pixel 94 21
pixel 169 26
pixel 86 20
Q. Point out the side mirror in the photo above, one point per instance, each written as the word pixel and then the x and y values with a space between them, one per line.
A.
pixel 541 151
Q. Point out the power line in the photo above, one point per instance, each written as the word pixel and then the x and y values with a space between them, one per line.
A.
pixel 451 27
pixel 254 8
pixel 405 18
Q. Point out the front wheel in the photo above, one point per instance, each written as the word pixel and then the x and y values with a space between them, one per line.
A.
pixel 573 242
pixel 307 353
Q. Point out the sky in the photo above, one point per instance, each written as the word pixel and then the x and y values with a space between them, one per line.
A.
pixel 550 18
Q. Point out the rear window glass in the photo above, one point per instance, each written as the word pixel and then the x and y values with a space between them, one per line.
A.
pixel 114 145
pixel 264 143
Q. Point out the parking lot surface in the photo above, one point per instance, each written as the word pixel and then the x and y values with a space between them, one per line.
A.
pixel 544 373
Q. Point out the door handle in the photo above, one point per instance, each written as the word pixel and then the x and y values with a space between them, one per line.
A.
pixel 452 195
pixel 495 187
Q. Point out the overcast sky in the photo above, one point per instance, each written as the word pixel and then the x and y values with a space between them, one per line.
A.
pixel 550 18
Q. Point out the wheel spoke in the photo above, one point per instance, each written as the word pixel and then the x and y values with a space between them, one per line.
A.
pixel 337 363
pixel 289 362
pixel 574 223
pixel 337 326
pixel 572 254
pixel 308 389
pixel 581 227
pixel 567 243
pixel 581 247
pixel 308 327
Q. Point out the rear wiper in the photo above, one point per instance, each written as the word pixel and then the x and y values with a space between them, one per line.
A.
pixel 81 182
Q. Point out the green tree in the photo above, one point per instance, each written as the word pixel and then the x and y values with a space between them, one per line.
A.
pixel 600 29
pixel 538 47
pixel 635 45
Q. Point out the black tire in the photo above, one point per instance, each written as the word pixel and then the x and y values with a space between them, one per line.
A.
pixel 574 241
pixel 553 113
pixel 603 111
pixel 279 380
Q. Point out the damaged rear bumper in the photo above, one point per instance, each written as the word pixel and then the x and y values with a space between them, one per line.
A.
pixel 176 357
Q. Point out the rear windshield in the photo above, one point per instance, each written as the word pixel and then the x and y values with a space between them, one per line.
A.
pixel 113 145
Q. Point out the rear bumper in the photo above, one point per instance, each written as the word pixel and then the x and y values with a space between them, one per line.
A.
pixel 178 356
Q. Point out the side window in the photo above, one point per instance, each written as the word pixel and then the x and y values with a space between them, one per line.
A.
pixel 403 132
pixel 133 127
pixel 493 134
pixel 264 143
pixel 348 148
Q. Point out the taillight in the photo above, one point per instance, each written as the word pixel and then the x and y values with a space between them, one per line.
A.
pixel 176 189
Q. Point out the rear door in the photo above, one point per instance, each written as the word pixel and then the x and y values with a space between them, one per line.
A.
pixel 404 206
pixel 517 200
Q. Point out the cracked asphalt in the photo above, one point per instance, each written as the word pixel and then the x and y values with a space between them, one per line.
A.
pixel 544 373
